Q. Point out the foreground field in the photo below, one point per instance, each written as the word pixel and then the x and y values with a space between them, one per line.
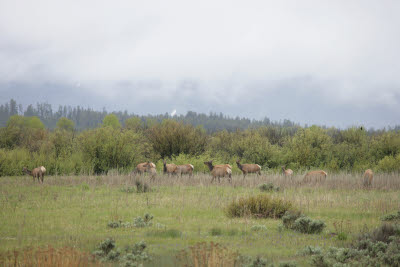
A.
pixel 75 211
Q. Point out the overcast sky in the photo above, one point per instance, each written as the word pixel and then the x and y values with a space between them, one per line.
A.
pixel 335 63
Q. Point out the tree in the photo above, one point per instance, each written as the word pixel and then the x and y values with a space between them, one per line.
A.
pixel 111 120
pixel 65 124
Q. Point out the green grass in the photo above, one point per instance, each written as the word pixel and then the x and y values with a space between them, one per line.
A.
pixel 75 211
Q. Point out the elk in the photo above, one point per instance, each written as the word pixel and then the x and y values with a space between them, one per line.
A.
pixel 148 166
pixel 287 172
pixel 219 171
pixel 248 168
pixel 367 177
pixel 36 173
pixel 318 176
pixel 151 169
pixel 169 168
pixel 185 169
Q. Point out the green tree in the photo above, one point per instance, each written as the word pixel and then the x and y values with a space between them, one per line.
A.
pixel 111 120
pixel 65 124
pixel 134 123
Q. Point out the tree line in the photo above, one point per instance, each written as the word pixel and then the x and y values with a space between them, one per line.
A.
pixel 112 145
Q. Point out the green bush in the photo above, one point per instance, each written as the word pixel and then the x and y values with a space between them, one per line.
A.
pixel 391 217
pixel 268 187
pixel 261 206
pixel 143 222
pixel 289 218
pixel 296 221
pixel 133 256
pixel 380 247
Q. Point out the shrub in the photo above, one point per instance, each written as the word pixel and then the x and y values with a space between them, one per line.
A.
pixel 368 250
pixel 296 221
pixel 143 222
pixel 289 218
pixel 288 264
pixel 133 256
pixel 310 250
pixel 391 217
pixel 268 187
pixel 261 206
pixel 104 248
pixel 308 226
pixel 116 224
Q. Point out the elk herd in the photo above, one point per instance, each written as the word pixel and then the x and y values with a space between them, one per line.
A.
pixel 216 171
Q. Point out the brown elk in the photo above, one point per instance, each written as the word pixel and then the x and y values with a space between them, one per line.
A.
pixel 151 169
pixel 148 166
pixel 36 173
pixel 368 177
pixel 318 176
pixel 185 169
pixel 248 168
pixel 219 171
pixel 169 169
pixel 287 172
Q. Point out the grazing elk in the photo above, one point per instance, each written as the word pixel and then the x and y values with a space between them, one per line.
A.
pixel 368 177
pixel 318 176
pixel 248 168
pixel 169 169
pixel 185 169
pixel 36 173
pixel 219 171
pixel 287 172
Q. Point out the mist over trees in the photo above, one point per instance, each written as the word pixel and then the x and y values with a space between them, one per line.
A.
pixel 83 141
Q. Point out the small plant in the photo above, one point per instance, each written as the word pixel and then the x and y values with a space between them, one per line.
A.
pixel 268 187
pixel 258 262
pixel 289 218
pixel 296 221
pixel 258 228
pixel 310 250
pixel 133 256
pixel 143 222
pixel 261 206
pixel 391 217
pixel 216 231
pixel 114 224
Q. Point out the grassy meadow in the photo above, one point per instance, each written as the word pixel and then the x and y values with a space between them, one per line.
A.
pixel 74 211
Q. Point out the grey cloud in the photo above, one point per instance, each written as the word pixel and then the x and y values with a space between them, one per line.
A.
pixel 333 63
